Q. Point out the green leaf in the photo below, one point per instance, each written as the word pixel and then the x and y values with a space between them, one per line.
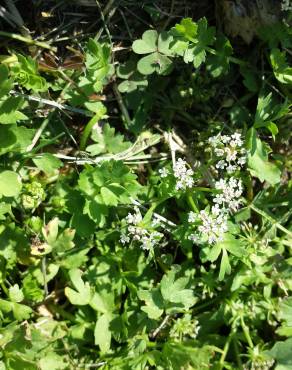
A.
pixel 9 110
pixel 258 161
pixel 26 74
pixel 218 64
pixel 282 353
pixel 107 141
pixel 10 184
pixel 225 267
pixel 14 139
pixel 15 294
pixel 282 71
pixel 20 311
pixel 154 303
pixel 108 197
pixel 82 295
pixel 5 83
pixel 148 43
pixel 187 28
pixel 173 290
pixel 102 333
pixel 154 62
pixel 53 361
pixel 47 163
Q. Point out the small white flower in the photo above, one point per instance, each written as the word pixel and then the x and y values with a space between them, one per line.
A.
pixel 183 174
pixel 163 172
pixel 192 217
pixel 124 239
pixel 219 152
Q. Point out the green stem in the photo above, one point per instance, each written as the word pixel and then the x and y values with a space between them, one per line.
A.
pixel 3 287
pixel 238 360
pixel 224 353
pixel 249 188
pixel 245 329
pixel 27 40
pixel 87 130
pixel 192 203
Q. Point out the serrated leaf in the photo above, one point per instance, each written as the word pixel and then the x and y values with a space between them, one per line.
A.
pixel 107 141
pixel 10 184
pixel 154 303
pixel 187 28
pixel 108 197
pixel 15 294
pixel 218 64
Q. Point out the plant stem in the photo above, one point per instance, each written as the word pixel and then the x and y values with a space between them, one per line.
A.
pixel 245 329
pixel 224 353
pixel 87 130
pixel 27 40
pixel 3 287
pixel 238 360
pixel 192 202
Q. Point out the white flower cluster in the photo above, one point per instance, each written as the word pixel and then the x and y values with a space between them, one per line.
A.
pixel 232 190
pixel 136 232
pixel 213 224
pixel 230 151
pixel 183 175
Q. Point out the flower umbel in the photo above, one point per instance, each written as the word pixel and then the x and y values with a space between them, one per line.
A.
pixel 229 151
pixel 136 231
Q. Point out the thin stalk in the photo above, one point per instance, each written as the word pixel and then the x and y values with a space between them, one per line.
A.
pixel 236 350
pixel 44 272
pixel 87 130
pixel 246 333
pixel 27 40
pixel 3 287
pixel 39 132
pixel 224 353
pixel 192 203
pixel 122 106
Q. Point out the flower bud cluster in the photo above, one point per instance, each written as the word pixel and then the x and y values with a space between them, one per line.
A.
pixel 136 232
pixel 229 151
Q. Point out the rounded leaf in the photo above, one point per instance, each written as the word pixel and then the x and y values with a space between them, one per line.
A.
pixel 148 43
pixel 10 184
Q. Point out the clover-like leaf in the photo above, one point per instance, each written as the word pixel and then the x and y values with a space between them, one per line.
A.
pixel 148 43
pixel 158 48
